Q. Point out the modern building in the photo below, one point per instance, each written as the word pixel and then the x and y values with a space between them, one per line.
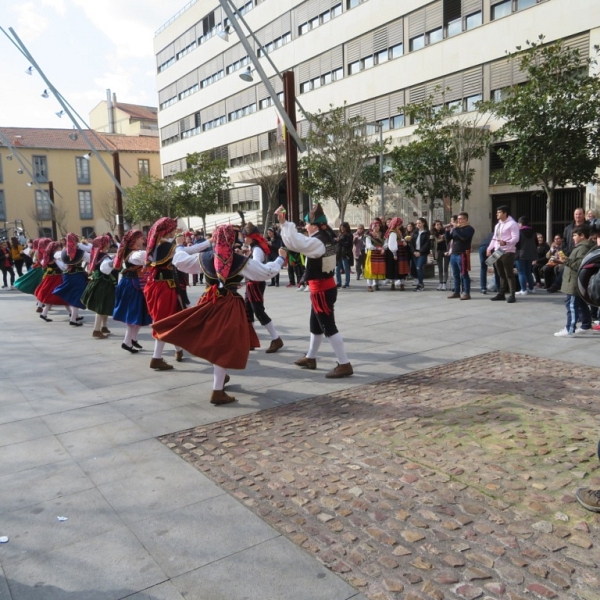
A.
pixel 374 55
pixel 35 161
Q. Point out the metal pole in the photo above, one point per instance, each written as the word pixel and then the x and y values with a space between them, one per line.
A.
pixel 291 151
pixel 118 196
pixel 52 209
pixel 263 76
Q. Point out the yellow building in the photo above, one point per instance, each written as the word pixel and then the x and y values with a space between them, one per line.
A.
pixel 34 161
pixel 110 116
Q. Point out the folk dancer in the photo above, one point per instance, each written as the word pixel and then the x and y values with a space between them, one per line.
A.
pixel 397 262
pixel 52 268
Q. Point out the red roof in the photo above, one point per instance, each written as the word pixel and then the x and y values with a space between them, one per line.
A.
pixel 135 111
pixel 62 139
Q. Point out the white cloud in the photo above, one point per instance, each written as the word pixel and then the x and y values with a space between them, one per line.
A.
pixel 30 23
pixel 58 5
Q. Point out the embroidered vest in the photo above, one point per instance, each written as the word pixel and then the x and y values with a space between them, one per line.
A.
pixel 324 266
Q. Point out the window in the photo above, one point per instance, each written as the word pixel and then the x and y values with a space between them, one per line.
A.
pixel 42 206
pixel 455 106
pixel 338 74
pixel 397 122
pixel 82 167
pixel 354 67
pixel 501 10
pixel 190 90
pixel 40 169
pixel 336 11
pixel 327 78
pixel 435 35
pixel 473 20
pixel 143 167
pixel 454 27
pixel 367 62
pixel 85 204
pixel 417 43
pixel 315 83
pixel 352 3
pixel 2 206
pixel 385 124
pixel 87 232
pixel 521 4
pixel 396 51
pixel 266 102
pixel 305 87
pixel 326 16
pixel 168 102
pixel 382 57
pixel 313 23
pixel 303 29
pixel 471 101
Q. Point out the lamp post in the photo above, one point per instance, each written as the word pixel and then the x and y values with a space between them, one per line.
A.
pixel 381 190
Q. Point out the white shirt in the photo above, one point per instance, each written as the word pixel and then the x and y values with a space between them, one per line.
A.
pixel 310 246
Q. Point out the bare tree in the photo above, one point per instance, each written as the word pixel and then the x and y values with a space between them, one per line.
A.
pixel 108 210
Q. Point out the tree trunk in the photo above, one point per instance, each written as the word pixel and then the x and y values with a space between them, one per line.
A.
pixel 203 217
pixel 463 198
pixel 342 208
pixel 549 202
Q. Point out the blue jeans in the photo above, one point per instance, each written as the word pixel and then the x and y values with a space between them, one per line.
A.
pixel 482 268
pixel 420 262
pixel 525 273
pixel 459 278
pixel 343 263
pixel 577 312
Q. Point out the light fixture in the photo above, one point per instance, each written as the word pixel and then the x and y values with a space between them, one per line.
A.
pixel 224 33
pixel 29 71
pixel 30 184
pixel 247 75
pixel 73 136
pixel 9 157
pixel 45 94
pixel 19 171
pixel 60 113
pixel 87 156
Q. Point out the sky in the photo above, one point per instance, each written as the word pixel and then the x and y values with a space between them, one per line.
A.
pixel 84 47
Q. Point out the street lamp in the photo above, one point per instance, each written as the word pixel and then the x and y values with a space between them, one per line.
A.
pixel 381 192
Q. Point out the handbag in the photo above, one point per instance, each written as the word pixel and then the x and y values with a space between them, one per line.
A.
pixel 493 258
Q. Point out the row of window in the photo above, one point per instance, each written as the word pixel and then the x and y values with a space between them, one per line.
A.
pixel 317 82
pixel 324 17
pixel 286 38
pixel 378 58
pixel 43 208
pixel 242 112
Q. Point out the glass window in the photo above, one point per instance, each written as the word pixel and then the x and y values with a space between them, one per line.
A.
pixel 2 206
pixel 336 11
pixel 473 20
pixel 82 167
pixel 471 101
pixel 521 4
pixel 85 205
pixel 143 167
pixel 435 35
pixel 368 62
pixel 287 37
pixel 40 169
pixel 327 78
pixel 352 3
pixel 501 10
pixel 305 87
pixel 397 51
pixel 417 43
pixel 354 67
pixel 42 206
pixel 313 23
pixel 338 74
pixel 385 124
pixel 315 83
pixel 382 57
pixel 303 29
pixel 87 232
pixel 397 122
pixel 454 27
pixel 456 106
pixel 326 16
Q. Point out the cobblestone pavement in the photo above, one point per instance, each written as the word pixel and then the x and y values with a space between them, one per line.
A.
pixel 452 482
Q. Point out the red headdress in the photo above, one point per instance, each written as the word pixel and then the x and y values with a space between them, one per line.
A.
pixel 51 249
pixel 41 249
pixel 395 223
pixel 223 239
pixel 72 241
pixel 100 242
pixel 251 231
pixel 127 243
pixel 157 231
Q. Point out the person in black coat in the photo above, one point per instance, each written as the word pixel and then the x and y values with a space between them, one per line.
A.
pixel 274 240
pixel 344 254
pixel 420 244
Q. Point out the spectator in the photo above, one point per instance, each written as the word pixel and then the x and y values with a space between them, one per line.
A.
pixel 542 250
pixel 440 249
pixel 344 254
pixel 460 238
pixel 577 309
pixel 6 265
pixel 526 255
pixel 28 254
pixel 16 252
pixel 552 271
pixel 295 268
pixel 274 241
pixel 483 268
pixel 420 245
pixel 578 219
pixel 359 250
pixel 409 231
pixel 506 237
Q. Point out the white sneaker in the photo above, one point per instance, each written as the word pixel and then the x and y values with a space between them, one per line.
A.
pixel 443 287
pixel 521 293
pixel 439 288
pixel 307 289
pixel 564 332
pixel 580 331
pixel 300 288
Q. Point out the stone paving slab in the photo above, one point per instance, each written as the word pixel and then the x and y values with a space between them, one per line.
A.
pixel 456 481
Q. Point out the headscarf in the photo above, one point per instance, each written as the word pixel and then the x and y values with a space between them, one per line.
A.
pixel 316 216
pixel 127 243
pixel 72 241
pixel 51 249
pixel 395 224
pixel 41 249
pixel 97 245
pixel 251 231
pixel 376 237
pixel 158 231
pixel 223 239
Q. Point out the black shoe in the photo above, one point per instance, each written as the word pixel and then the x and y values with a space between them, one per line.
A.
pixel 511 299
pixel 129 348
pixel 79 319
pixel 498 297
pixel 552 290
pixel 46 319
pixel 75 324
pixel 135 344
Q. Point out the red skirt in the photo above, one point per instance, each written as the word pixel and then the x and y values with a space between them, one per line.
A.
pixel 161 299
pixel 43 292
pixel 216 329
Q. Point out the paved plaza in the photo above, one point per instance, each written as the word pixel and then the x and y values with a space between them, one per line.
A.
pixel 446 467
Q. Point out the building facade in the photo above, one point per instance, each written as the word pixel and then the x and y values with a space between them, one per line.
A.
pixel 84 193
pixel 374 55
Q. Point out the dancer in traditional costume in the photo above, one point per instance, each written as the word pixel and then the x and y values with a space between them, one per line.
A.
pixel 130 303
pixel 53 272
pixel 99 295
pixel 162 289
pixel 217 328
pixel 74 278
pixel 375 261
pixel 320 251
pixel 30 281
pixel 397 262
pixel 255 290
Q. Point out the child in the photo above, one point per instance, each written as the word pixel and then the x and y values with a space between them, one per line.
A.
pixel 577 309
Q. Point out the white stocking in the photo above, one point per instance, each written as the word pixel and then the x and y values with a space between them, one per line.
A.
pixel 128 335
pixel 271 329
pixel 74 314
pixel 97 323
pixel 337 343
pixel 315 343
pixel 218 377
pixel 46 309
pixel 135 329
pixel 104 321
pixel 158 349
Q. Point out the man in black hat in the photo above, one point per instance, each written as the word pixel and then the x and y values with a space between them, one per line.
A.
pixel 320 250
